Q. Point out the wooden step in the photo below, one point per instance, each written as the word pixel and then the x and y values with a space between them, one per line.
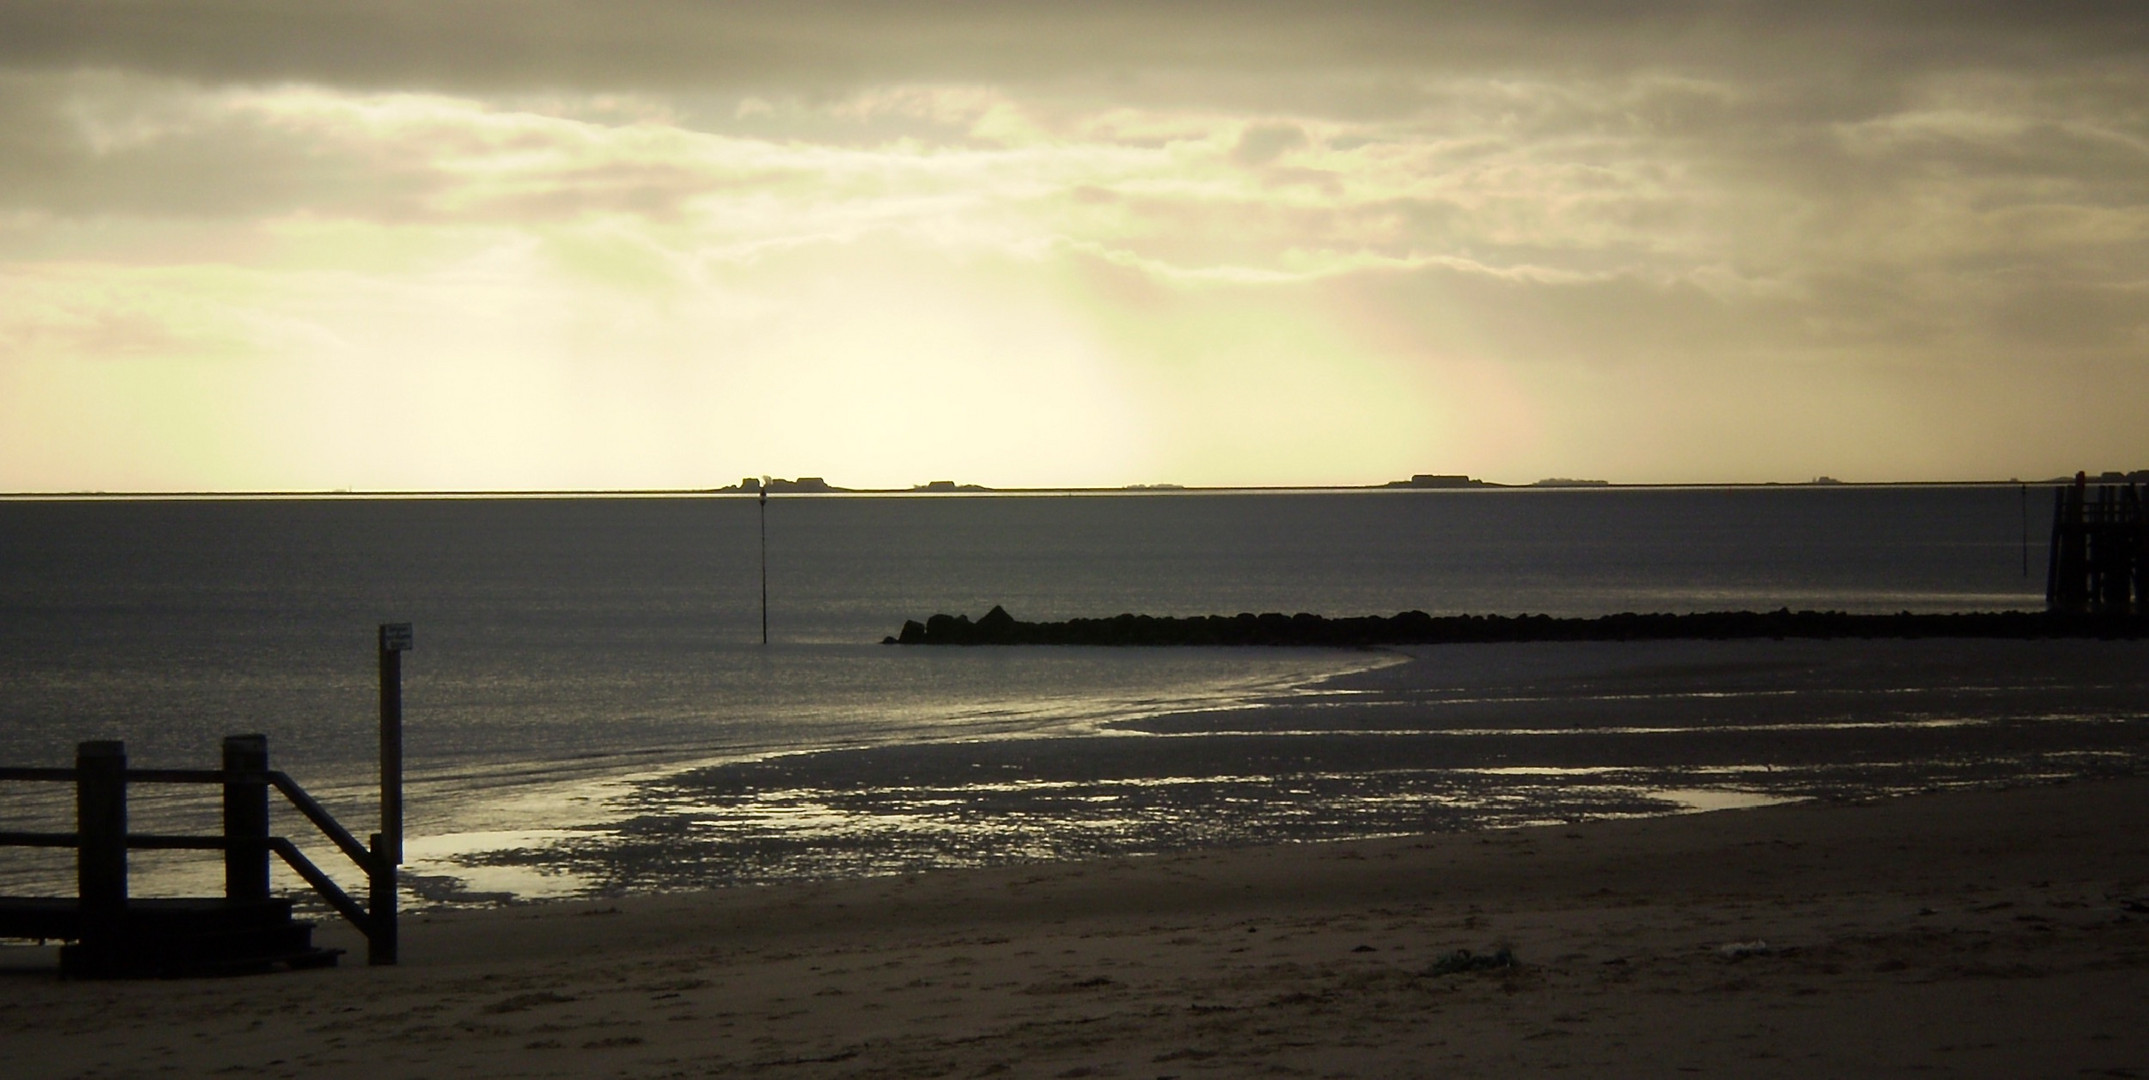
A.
pixel 172 937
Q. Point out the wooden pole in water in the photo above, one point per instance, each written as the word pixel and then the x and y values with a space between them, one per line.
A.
pixel 246 818
pixel 2053 551
pixel 764 562
pixel 395 640
pixel 2025 531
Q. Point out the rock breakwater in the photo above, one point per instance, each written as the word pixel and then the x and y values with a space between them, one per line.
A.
pixel 997 627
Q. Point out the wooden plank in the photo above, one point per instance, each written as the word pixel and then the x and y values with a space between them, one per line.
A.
pixel 324 885
pixel 173 842
pixel 57 918
pixel 39 839
pixel 177 776
pixel 65 776
pixel 322 820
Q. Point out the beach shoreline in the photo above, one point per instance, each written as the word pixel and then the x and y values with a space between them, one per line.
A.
pixel 1987 932
pixel 1437 739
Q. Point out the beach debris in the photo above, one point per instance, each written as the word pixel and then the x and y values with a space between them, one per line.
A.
pixel 1740 950
pixel 2135 904
pixel 1463 960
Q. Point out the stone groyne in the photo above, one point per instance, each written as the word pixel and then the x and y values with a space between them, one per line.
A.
pixel 997 627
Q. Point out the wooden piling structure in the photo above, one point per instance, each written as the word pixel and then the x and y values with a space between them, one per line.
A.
pixel 2099 560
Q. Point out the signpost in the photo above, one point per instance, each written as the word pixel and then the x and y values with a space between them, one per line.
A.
pixel 2025 530
pixel 764 564
pixel 395 640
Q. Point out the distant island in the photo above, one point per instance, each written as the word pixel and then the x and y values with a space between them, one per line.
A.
pixel 815 485
pixel 1440 480
pixel 997 627
pixel 777 485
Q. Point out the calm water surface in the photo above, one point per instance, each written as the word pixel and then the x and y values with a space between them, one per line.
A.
pixel 579 660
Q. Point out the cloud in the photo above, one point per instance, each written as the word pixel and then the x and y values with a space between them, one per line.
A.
pixel 97 144
pixel 1261 144
pixel 673 45
pixel 1247 242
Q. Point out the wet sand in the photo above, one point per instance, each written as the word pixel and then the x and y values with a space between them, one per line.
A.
pixel 1967 933
pixel 1430 740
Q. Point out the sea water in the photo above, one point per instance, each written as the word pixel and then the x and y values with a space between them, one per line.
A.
pixel 590 675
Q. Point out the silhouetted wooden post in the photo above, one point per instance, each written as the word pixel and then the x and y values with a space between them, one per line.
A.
pixel 2025 532
pixel 101 851
pixel 246 818
pixel 763 561
pixel 395 640
pixel 2052 550
pixel 2112 566
pixel 2135 529
pixel 2067 580
pixel 380 905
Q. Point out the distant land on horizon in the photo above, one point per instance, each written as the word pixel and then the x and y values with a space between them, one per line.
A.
pixel 815 485
pixel 1417 482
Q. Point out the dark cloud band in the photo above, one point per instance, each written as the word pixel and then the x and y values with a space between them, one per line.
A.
pixel 678 45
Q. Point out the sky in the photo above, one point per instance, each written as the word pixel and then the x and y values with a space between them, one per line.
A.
pixel 556 244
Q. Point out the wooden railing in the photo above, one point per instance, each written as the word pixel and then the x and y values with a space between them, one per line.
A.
pixel 101 840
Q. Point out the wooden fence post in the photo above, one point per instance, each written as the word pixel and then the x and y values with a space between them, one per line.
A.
pixel 101 851
pixel 246 818
pixel 380 905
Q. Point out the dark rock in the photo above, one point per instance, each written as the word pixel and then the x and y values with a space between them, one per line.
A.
pixel 996 626
pixel 1416 627
pixel 948 630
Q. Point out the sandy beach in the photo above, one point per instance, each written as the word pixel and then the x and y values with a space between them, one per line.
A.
pixel 1979 933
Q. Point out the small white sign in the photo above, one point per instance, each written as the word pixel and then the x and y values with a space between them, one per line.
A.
pixel 395 637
